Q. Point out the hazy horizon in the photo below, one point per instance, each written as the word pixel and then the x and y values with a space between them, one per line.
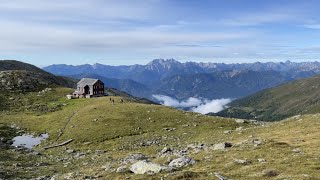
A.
pixel 284 61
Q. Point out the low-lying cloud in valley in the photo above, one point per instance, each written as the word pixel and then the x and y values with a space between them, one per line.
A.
pixel 202 106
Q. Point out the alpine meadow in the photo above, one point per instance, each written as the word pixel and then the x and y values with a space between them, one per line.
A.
pixel 159 89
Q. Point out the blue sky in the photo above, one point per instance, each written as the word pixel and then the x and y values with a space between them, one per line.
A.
pixel 118 32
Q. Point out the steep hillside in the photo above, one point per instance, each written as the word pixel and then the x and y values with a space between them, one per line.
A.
pixel 17 76
pixel 121 140
pixel 226 84
pixel 6 65
pixel 297 97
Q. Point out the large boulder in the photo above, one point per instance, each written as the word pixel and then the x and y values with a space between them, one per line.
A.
pixel 145 167
pixel 181 162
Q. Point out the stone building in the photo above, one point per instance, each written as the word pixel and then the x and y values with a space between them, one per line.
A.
pixel 88 88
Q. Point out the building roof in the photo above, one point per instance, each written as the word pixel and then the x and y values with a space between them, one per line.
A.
pixel 87 81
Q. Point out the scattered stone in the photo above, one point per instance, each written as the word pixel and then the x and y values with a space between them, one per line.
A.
pixel 270 173
pixel 69 176
pixel 122 169
pixel 242 161
pixel 169 129
pixel 196 146
pixel 240 121
pixel 134 158
pixel 36 153
pixel 262 161
pixel 80 155
pixel 86 177
pixel 166 150
pixel 144 167
pixel 15 165
pixel 227 132
pixel 167 169
pixel 222 146
pixel 182 152
pixel 54 177
pixel 219 176
pixel 98 152
pixel 257 142
pixel 69 151
pixel 107 167
pixel 181 162
pixel 43 178
pixel 297 150
pixel 239 129
pixel 42 164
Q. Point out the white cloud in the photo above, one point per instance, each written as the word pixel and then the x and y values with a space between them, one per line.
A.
pixel 169 101
pixel 97 9
pixel 17 37
pixel 202 106
pixel 214 106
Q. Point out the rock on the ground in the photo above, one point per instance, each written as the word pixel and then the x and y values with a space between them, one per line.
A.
pixel 270 173
pixel 242 161
pixel 239 129
pixel 166 150
pixel 122 169
pixel 144 167
pixel 132 158
pixel 240 121
pixel 107 167
pixel 297 150
pixel 257 142
pixel 262 161
pixel 181 162
pixel 219 176
pixel 69 151
pixel 222 146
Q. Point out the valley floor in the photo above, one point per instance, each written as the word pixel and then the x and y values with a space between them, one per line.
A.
pixel 108 138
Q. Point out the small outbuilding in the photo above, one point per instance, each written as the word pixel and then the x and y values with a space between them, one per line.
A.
pixel 88 88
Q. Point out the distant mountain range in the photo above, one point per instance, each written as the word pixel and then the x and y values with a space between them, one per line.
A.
pixel 159 69
pixel 191 79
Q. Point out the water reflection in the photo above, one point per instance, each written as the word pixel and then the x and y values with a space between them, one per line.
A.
pixel 28 141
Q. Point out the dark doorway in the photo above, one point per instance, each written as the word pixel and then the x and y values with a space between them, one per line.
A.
pixel 86 89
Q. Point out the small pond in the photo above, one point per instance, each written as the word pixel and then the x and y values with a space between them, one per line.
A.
pixel 28 141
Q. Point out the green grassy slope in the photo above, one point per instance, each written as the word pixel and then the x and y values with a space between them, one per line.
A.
pixel 19 76
pixel 297 97
pixel 107 133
